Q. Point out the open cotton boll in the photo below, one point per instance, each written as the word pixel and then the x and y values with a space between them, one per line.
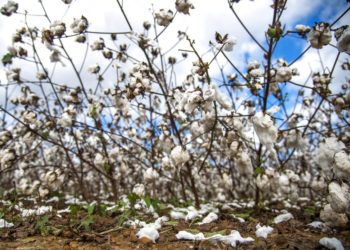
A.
pixel 331 243
pixel 229 44
pixel 221 98
pixel 283 217
pixel 263 231
pixel 5 224
pixel 179 156
pixel 209 218
pixel 332 218
pixel 266 131
pixel 149 232
pixel 339 197
pixel 183 235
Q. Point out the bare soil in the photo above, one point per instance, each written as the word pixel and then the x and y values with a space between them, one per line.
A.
pixel 64 234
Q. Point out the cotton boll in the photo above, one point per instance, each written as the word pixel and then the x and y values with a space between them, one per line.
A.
pixel 339 197
pixel 326 153
pixel 302 29
pixel 244 164
pixel 183 235
pixel 209 218
pixel 79 25
pixel 282 218
pixel 9 8
pixel 139 189
pixel 232 239
pixel 263 231
pixel 5 224
pixel 253 65
pixel 318 184
pixel 343 40
pixel 293 177
pixel 320 35
pixel 265 129
pixel 229 44
pixel 183 6
pixel 100 161
pixel 163 17
pixel 256 73
pixel 58 28
pixel 331 243
pixel 263 182
pixel 150 175
pixel 179 156
pixel 192 214
pixel 221 98
pixel 177 215
pixel 149 232
pixel 332 218
pixel 284 74
pixel 342 165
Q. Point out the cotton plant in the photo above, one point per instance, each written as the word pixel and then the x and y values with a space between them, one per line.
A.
pixel 137 124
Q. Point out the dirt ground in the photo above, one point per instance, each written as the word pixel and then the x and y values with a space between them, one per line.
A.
pixel 293 234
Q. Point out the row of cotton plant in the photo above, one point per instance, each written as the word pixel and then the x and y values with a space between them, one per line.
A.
pixel 137 128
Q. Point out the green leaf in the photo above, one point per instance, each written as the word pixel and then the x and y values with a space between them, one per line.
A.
pixel 132 197
pixel 102 209
pixel 171 223
pixel 272 33
pixel 259 171
pixel 91 208
pixel 124 216
pixel 310 211
pixel 87 223
pixel 74 209
pixel 45 135
pixel 7 59
pixel 210 234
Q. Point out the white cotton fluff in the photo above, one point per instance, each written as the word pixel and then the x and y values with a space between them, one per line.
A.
pixel 221 98
pixel 317 224
pixel 342 165
pixel 5 224
pixel 233 238
pixel 344 41
pixel 282 217
pixel 139 189
pixel 39 211
pixel 192 214
pixel 183 235
pixel 149 232
pixel 176 215
pixel 150 175
pixel 209 218
pixel 339 197
pixel 300 28
pixel 179 156
pixel 332 218
pixel 327 152
pixel 263 231
pixel 284 74
pixel 331 243
pixel 266 131
pixel 229 44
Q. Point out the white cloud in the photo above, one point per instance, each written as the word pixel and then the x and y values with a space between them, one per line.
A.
pixel 207 18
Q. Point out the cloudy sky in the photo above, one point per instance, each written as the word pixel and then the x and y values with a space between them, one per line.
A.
pixel 201 25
